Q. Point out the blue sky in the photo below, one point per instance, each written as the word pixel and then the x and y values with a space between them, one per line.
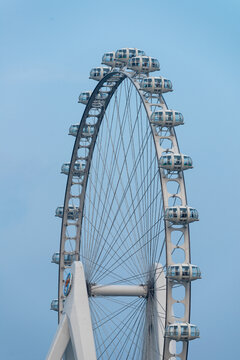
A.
pixel 47 51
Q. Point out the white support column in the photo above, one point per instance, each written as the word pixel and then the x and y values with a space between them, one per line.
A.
pixel 69 355
pixel 60 340
pixel 77 309
pixel 76 323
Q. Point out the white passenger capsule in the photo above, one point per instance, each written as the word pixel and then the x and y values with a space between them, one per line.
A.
pixel 99 72
pixel 181 214
pixel 73 212
pixel 123 55
pixel 68 258
pixel 156 85
pixel 166 118
pixel 78 169
pixel 54 305
pixel 143 64
pixel 182 332
pixel 84 97
pixel 73 130
pixel 183 272
pixel 175 162
pixel 109 59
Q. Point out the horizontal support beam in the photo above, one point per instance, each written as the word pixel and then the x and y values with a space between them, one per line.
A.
pixel 118 290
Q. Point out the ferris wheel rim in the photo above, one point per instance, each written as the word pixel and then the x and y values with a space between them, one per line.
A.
pixel 122 76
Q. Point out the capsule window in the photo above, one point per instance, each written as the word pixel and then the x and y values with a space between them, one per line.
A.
pixel 166 160
pixel 169 213
pixel 174 330
pixel 193 331
pixel 193 213
pixel 177 160
pixel 132 52
pixel 173 271
pixel 122 54
pixel 184 330
pixel 95 72
pixel 145 62
pixel 157 116
pixel 185 271
pixel 85 96
pixel 155 63
pixel 73 130
pixel 147 83
pixel 158 83
pixel 178 117
pixel 177 270
pixel 187 161
pixel 169 116
pixel 160 116
pixel 135 61
pixel 167 84
pixel 108 57
pixel 174 212
pixel 194 271
pixel 183 213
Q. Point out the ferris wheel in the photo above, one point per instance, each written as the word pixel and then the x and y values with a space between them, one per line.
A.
pixel 125 268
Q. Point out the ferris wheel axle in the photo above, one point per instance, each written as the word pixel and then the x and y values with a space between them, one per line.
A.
pixel 118 290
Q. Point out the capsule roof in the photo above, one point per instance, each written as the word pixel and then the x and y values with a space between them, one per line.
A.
pixel 99 72
pixel 183 272
pixel 84 97
pixel 166 118
pixel 143 64
pixel 78 168
pixel 125 54
pixel 72 214
pixel 175 162
pixel 156 85
pixel 181 214
pixel 109 59
pixel 68 258
pixel 73 130
pixel 182 331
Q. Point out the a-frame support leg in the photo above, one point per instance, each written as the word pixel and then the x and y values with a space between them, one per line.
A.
pixel 75 325
pixel 60 340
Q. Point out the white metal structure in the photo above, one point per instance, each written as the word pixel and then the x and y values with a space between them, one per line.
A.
pixel 119 229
